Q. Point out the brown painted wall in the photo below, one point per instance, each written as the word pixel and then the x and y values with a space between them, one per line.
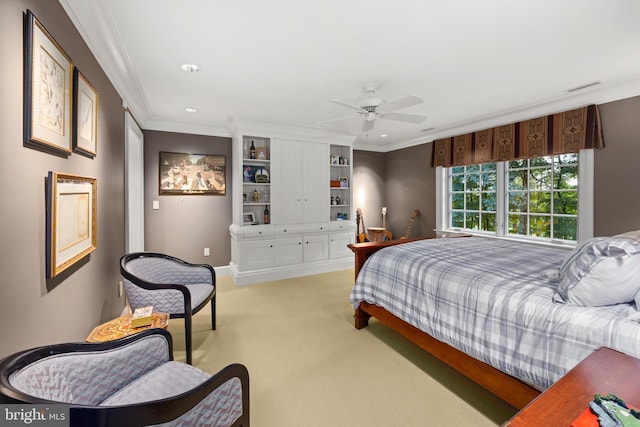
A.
pixel 35 311
pixel 185 225
pixel 617 170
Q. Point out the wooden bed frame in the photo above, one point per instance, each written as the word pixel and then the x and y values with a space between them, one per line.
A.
pixel 508 388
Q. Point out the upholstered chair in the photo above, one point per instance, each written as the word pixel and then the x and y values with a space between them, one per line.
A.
pixel 133 381
pixel 171 286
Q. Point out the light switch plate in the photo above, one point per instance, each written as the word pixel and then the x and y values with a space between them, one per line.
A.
pixel 156 204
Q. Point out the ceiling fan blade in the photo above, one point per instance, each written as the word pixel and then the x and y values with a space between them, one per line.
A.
pixel 367 125
pixel 346 104
pixel 401 117
pixel 405 102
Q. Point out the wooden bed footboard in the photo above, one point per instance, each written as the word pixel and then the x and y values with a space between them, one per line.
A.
pixel 508 388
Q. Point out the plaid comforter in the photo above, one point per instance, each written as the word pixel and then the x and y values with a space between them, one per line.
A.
pixel 493 300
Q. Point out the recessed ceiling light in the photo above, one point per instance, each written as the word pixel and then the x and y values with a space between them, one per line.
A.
pixel 190 68
pixel 191 110
pixel 384 135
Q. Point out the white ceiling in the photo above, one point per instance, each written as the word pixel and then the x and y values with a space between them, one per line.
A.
pixel 475 63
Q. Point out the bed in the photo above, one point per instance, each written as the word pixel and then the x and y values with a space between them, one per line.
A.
pixel 514 317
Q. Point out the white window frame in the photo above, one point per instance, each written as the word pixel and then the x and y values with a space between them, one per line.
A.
pixel 585 204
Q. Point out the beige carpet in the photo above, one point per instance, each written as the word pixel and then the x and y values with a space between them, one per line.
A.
pixel 309 366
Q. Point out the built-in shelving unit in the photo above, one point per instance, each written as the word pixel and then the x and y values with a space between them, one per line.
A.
pixel 256 179
pixel 340 182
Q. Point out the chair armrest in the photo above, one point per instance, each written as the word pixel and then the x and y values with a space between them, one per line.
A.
pixel 165 410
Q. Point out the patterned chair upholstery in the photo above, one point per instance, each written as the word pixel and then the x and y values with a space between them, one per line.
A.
pixel 170 285
pixel 132 381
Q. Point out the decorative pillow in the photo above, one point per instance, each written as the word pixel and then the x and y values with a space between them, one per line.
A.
pixel 601 271
pixel 635 235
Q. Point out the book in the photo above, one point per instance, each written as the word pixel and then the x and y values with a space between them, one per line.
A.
pixel 141 316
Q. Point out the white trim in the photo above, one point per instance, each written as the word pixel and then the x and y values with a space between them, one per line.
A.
pixel 288 271
pixel 585 195
pixel 134 185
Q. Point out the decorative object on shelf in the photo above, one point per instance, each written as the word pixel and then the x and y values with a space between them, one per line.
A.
pixel 265 196
pixel 342 216
pixel 334 159
pixel 244 197
pixel 344 182
pixel 266 214
pixel 261 153
pixel 343 160
pixel 262 176
pixel 47 104
pixel 256 196
pixel 248 175
pixel 333 200
pixel 334 183
pixel 85 115
pixel 337 200
pixel 71 232
pixel 252 151
pixel 248 218
pixel 192 174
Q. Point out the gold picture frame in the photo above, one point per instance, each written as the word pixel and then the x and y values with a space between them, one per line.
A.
pixel 85 115
pixel 47 90
pixel 71 229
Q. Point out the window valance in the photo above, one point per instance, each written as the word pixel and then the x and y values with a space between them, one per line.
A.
pixel 560 133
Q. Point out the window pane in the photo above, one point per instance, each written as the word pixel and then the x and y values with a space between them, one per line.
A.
pixel 488 166
pixel 488 222
pixel 473 219
pixel 457 182
pixel 518 224
pixel 540 202
pixel 457 201
pixel 457 169
pixel 518 202
pixel 489 181
pixel 518 180
pixel 473 168
pixel 540 226
pixel 541 161
pixel 565 202
pixel 457 219
pixel 565 228
pixel 488 202
pixel 473 182
pixel 473 201
pixel 541 179
pixel 517 164
pixel 566 177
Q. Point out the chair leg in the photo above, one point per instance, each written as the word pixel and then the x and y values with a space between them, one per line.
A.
pixel 213 313
pixel 187 336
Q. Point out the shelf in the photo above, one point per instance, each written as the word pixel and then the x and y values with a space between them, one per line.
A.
pixel 339 166
pixel 339 188
pixel 256 204
pixel 257 184
pixel 249 162
pixel 339 206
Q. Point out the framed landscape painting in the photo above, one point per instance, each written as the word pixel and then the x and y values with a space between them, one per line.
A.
pixel 47 93
pixel 71 220
pixel 192 174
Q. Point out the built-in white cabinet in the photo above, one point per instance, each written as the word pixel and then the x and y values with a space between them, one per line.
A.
pixel 307 231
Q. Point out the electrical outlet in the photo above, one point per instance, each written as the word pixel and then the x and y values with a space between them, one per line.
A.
pixel 206 252
pixel 120 289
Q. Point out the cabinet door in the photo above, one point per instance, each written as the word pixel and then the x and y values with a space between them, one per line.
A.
pixel 286 205
pixel 256 254
pixel 338 245
pixel 315 248
pixel 289 251
pixel 315 182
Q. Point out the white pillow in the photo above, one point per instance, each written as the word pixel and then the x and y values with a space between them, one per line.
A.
pixel 602 271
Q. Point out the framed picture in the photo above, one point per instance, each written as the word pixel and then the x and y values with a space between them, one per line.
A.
pixel 187 174
pixel 71 220
pixel 85 115
pixel 261 153
pixel 47 94
pixel 248 218
pixel 344 182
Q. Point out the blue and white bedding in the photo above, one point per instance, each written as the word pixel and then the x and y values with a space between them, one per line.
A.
pixel 494 300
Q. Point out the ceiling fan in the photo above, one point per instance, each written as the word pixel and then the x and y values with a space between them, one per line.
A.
pixel 372 108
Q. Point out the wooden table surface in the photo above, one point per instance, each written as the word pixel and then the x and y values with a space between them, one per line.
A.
pixel 604 371
pixel 120 327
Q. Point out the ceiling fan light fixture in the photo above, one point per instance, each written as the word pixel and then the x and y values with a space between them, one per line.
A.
pixel 191 110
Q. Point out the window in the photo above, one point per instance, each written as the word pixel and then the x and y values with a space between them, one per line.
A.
pixel 537 199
